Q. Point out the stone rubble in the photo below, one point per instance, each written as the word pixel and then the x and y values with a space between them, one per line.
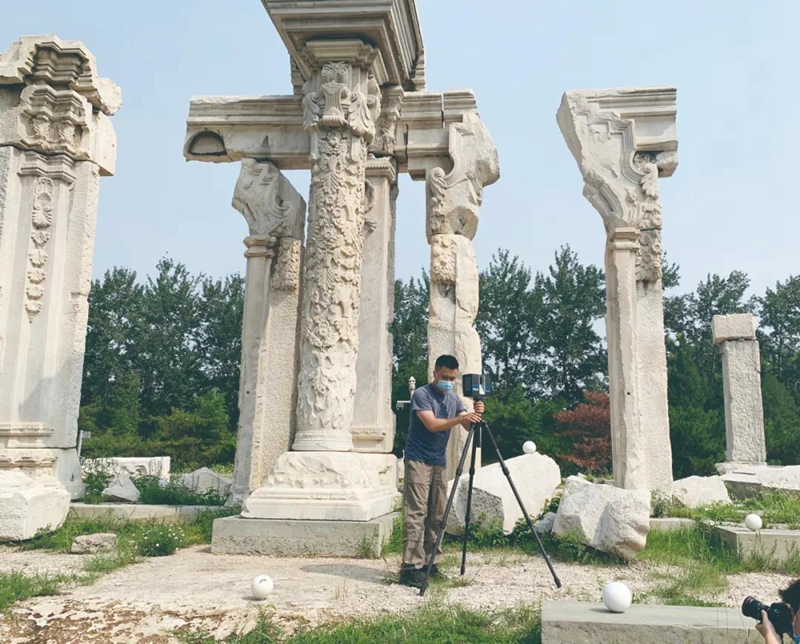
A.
pixel 121 490
pixel 89 544
pixel 695 491
pixel 206 480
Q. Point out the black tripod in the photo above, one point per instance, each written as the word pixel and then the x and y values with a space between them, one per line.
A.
pixel 474 439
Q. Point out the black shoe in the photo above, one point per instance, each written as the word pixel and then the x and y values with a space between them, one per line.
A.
pixel 412 577
pixel 436 573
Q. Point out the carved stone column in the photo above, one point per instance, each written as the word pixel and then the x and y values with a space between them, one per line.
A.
pixel 275 214
pixel 373 419
pixel 453 204
pixel 623 140
pixel 56 141
pixel 741 377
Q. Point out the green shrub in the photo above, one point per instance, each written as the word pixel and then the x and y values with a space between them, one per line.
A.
pixel 159 539
pixel 155 491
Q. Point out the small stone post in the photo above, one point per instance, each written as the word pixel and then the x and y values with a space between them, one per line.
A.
pixel 275 214
pixel 741 376
pixel 56 141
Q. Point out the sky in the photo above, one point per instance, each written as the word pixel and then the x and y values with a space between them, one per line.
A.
pixel 730 205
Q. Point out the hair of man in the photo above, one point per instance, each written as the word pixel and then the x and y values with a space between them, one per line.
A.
pixel 446 361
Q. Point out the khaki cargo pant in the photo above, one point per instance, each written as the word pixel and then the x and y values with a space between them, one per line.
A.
pixel 424 500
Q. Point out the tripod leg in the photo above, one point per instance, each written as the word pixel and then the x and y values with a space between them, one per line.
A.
pixel 469 500
pixel 504 467
pixel 447 508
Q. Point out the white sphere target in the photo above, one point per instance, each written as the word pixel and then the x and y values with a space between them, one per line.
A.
pixel 753 522
pixel 617 597
pixel 529 447
pixel 261 586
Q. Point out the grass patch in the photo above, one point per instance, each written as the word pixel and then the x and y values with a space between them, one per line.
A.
pixel 16 586
pixel 435 624
pixel 155 491
pixel 775 508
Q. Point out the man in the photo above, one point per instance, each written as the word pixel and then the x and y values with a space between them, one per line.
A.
pixel 435 409
pixel 790 596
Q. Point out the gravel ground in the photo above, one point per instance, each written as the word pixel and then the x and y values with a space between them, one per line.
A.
pixel 195 589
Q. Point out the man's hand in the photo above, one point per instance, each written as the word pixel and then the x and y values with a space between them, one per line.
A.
pixel 479 406
pixel 470 417
pixel 767 630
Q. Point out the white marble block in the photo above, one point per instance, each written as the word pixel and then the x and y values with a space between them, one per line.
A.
pixel 741 378
pixel 56 141
pixel 624 140
pixel 695 491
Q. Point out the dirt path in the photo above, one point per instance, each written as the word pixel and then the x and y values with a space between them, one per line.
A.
pixel 193 588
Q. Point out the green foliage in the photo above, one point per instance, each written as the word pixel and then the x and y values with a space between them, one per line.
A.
pixel 96 480
pixel 395 543
pixel 429 624
pixel 698 441
pixel 781 422
pixel 154 491
pixel 779 310
pixel 16 586
pixel 159 539
pixel 776 508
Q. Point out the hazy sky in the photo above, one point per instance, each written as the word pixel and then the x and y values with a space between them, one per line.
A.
pixel 730 205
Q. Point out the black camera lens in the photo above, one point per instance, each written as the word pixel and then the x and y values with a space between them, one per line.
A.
pixel 779 614
pixel 751 607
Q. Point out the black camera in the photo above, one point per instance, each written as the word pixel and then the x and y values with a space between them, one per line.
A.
pixel 477 385
pixel 779 614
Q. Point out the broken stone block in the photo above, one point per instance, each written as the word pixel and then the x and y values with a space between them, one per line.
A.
pixel 695 491
pixel 121 490
pixel 605 517
pixel 206 480
pixel 545 524
pixel 89 544
pixel 750 481
pixel 28 506
pixel 133 465
pixel 536 477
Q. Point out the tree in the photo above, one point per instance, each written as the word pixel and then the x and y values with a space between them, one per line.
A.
pixel 698 441
pixel 779 311
pixel 588 426
pixel 781 422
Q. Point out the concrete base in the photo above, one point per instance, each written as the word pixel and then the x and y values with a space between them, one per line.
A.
pixel 301 538
pixel 667 524
pixel 570 622
pixel 778 545
pixel 135 512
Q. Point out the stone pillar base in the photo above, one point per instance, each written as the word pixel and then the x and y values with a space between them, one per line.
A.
pixel 287 538
pixel 29 505
pixel 327 486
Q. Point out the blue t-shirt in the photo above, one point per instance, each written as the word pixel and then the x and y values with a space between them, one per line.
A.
pixel 422 444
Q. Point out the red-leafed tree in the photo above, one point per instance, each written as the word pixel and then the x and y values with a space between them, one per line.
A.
pixel 589 427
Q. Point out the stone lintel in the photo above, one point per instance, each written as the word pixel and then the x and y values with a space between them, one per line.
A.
pixel 392 26
pixel 738 326
pixel 222 129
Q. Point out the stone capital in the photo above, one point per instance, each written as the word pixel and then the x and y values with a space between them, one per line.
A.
pixel 57 103
pixel 268 201
pixel 738 326
pixel 454 198
pixel 624 140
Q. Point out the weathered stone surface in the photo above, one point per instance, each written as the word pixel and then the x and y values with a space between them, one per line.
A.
pixel 89 544
pixel 28 506
pixel 624 140
pixel 605 517
pixel 750 481
pixel 775 544
pixel 138 512
pixel 206 480
pixel 132 465
pixel 545 524
pixel 275 214
pixel 570 622
pixel 336 486
pixel 282 538
pixel 56 141
pixel 741 377
pixel 121 489
pixel 493 503
pixel 737 326
pixel 695 491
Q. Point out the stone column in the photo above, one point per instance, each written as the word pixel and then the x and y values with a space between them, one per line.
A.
pixel 453 205
pixel 373 419
pixel 623 141
pixel 56 141
pixel 275 214
pixel 323 478
pixel 741 376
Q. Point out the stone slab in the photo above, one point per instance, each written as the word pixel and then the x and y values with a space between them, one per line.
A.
pixel 667 524
pixel 140 512
pixel 774 543
pixel 298 538
pixel 570 622
pixel 738 326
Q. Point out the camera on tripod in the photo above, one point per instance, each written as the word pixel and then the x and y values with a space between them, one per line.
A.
pixel 477 386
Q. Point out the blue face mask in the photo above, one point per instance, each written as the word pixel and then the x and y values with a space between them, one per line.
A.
pixel 445 385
